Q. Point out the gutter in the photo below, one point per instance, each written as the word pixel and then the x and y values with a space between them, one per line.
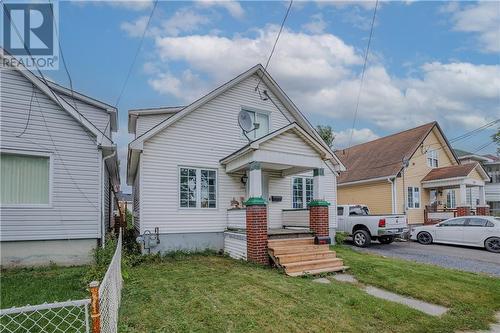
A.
pixel 393 194
pixel 103 163
pixel 370 180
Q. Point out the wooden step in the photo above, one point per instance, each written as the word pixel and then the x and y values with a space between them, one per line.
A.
pixel 277 251
pixel 295 257
pixel 303 266
pixel 290 242
pixel 320 270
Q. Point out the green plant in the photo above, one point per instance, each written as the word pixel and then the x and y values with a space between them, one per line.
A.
pixel 340 237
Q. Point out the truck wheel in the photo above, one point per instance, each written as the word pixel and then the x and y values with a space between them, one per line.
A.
pixel 386 239
pixel 424 238
pixel 361 238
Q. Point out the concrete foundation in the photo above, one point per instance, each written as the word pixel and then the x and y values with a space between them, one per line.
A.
pixel 190 242
pixel 40 253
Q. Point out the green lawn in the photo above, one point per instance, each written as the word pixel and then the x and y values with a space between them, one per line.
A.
pixel 217 294
pixel 19 287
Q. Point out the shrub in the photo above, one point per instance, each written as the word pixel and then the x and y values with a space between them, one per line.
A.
pixel 340 237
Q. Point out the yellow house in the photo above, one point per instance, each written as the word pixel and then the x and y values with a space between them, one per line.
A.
pixel 414 172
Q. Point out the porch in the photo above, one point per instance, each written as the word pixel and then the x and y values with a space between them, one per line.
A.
pixel 449 191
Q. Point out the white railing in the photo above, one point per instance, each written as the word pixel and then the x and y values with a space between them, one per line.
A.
pixel 236 218
pixel 110 291
pixel 295 218
pixel 69 316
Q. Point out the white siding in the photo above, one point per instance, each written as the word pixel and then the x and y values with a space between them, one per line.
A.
pixel 97 116
pixel 136 197
pixel 237 218
pixel 146 122
pixel 107 199
pixel 492 192
pixel 235 245
pixel 201 139
pixel 75 211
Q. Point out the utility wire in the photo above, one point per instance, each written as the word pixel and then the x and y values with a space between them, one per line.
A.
pixel 29 112
pixel 275 42
pixel 474 131
pixel 363 74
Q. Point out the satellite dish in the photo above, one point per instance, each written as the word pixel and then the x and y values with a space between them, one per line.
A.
pixel 245 121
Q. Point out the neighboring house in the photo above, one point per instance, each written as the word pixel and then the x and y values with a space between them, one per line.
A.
pixel 59 170
pixel 414 172
pixel 125 200
pixel 491 164
pixel 192 169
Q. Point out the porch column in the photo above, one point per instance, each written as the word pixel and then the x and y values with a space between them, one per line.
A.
pixel 318 207
pixel 463 209
pixel 482 208
pixel 256 218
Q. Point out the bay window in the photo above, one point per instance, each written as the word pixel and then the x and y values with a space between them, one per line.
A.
pixel 197 188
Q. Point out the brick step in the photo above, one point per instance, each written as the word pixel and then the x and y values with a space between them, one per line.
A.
pixel 309 265
pixel 290 258
pixel 277 251
pixel 290 242
pixel 320 270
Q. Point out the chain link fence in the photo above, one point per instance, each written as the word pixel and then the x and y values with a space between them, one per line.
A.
pixel 73 316
pixel 60 317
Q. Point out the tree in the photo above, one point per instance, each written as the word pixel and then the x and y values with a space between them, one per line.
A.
pixel 326 133
pixel 496 139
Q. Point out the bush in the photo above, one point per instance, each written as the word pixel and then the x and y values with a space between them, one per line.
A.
pixel 102 259
pixel 340 237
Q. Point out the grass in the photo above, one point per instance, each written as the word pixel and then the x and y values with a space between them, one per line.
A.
pixel 24 286
pixel 208 293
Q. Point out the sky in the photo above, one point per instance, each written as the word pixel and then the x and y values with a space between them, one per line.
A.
pixel 427 61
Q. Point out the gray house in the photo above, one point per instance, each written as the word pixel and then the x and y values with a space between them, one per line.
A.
pixel 59 170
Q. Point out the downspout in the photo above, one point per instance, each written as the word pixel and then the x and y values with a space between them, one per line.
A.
pixel 393 194
pixel 103 229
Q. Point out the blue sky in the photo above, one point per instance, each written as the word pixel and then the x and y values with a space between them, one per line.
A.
pixel 428 60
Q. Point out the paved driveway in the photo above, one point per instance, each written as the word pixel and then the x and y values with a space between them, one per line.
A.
pixel 458 257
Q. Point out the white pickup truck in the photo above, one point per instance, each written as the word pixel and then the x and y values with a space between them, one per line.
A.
pixel 363 227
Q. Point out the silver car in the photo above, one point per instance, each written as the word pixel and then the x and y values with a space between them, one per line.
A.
pixel 480 231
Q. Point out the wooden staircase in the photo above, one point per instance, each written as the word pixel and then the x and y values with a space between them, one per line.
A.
pixel 300 256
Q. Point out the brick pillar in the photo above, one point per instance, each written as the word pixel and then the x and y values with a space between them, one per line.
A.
pixel 463 211
pixel 257 231
pixel 318 218
pixel 483 210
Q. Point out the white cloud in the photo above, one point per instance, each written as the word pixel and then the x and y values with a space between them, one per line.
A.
pixel 187 87
pixel 135 28
pixel 233 7
pixel 343 138
pixel 482 18
pixel 317 24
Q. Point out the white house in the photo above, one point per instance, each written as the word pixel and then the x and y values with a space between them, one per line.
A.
pixel 59 170
pixel 199 183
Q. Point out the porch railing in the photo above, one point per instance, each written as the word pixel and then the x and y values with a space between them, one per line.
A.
pixel 236 218
pixel 295 217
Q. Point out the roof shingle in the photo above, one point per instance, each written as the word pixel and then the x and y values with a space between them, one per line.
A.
pixel 453 171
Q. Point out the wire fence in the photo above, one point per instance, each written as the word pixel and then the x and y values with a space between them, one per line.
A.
pixel 99 314
pixel 60 317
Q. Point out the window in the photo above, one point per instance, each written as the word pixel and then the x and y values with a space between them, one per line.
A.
pixel 477 222
pixel 413 197
pixel 432 158
pixel 25 180
pixel 454 223
pixel 302 192
pixel 451 200
pixel 262 119
pixel 197 188
pixel 340 211
pixel 358 210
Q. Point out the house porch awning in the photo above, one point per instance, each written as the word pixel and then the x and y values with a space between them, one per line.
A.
pixel 454 176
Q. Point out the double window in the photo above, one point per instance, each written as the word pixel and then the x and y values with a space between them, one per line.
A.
pixel 413 197
pixel 302 191
pixel 432 158
pixel 197 188
pixel 262 119
pixel 25 180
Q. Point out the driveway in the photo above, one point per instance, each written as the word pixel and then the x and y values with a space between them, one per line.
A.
pixel 458 257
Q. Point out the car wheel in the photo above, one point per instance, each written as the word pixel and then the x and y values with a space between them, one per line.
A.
pixel 362 238
pixel 424 238
pixel 492 244
pixel 386 239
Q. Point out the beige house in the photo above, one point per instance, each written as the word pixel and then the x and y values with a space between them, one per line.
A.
pixel 415 172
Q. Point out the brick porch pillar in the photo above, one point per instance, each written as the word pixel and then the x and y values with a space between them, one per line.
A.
pixel 318 218
pixel 257 231
pixel 483 210
pixel 463 211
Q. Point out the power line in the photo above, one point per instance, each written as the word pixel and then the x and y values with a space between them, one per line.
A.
pixel 136 54
pixel 29 112
pixel 474 131
pixel 363 73
pixel 275 42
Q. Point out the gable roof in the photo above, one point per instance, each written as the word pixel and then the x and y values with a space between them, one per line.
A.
pixel 102 139
pixel 133 114
pixel 452 171
pixel 384 157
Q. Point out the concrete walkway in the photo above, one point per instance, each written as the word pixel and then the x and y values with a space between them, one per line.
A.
pixel 428 308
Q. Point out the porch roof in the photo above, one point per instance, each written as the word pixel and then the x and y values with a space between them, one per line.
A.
pixel 289 149
pixel 471 174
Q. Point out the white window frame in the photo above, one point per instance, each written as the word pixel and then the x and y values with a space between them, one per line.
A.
pixel 198 188
pixel 413 188
pixel 453 199
pixel 51 176
pixel 304 202
pixel 262 112
pixel 432 156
